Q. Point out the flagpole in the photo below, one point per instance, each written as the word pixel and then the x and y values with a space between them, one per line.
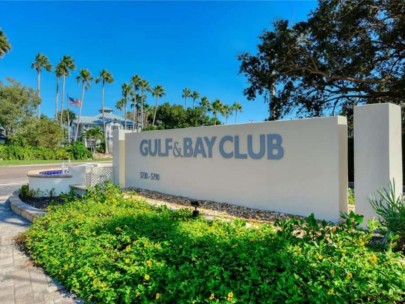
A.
pixel 68 118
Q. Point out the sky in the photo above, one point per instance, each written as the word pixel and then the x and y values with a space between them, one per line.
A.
pixel 183 44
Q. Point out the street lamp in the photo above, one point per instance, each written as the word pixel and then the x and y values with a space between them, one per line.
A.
pixel 195 204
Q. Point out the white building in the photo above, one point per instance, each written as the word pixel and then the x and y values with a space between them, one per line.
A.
pixel 112 122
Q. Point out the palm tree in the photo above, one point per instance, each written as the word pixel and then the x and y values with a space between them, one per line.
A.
pixel 148 110
pixel 93 136
pixel 41 61
pixel 157 92
pixel 126 92
pixel 5 46
pixel 66 65
pixel 216 108
pixel 68 116
pixel 205 104
pixel 186 94
pixel 136 105
pixel 136 83
pixel 121 105
pixel 58 73
pixel 85 79
pixel 195 95
pixel 105 77
pixel 236 107
pixel 226 111
pixel 144 87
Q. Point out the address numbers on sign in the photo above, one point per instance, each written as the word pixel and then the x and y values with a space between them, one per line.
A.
pixel 151 176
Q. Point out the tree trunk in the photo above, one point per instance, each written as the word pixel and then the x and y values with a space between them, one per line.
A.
pixel 102 111
pixel 134 114
pixel 125 115
pixel 142 115
pixel 142 118
pixel 57 98
pixel 68 123
pixel 236 115
pixel 63 100
pixel 39 93
pixel 80 113
pixel 154 115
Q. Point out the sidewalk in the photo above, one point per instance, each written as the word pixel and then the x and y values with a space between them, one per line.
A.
pixel 20 281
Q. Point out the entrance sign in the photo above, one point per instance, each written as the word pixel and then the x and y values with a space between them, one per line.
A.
pixel 297 166
pixel 269 144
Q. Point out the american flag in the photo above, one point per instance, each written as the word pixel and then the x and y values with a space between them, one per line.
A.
pixel 76 102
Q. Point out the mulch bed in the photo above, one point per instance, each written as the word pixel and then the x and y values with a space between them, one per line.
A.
pixel 206 207
pixel 212 208
pixel 42 202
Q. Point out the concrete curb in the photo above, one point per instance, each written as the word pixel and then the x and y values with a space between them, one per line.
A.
pixel 22 209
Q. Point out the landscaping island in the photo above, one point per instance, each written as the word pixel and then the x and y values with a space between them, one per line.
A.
pixel 110 249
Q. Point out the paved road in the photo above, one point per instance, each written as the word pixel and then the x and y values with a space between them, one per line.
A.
pixel 12 177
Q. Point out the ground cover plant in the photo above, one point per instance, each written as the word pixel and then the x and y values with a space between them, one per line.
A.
pixel 109 249
pixel 390 209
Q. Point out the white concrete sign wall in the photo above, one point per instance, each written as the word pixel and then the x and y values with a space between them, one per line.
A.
pixel 377 153
pixel 118 153
pixel 297 166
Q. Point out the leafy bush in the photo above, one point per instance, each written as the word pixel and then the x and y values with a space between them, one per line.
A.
pixel 75 151
pixel 25 192
pixel 391 211
pixel 62 153
pixel 108 249
pixel 79 151
pixel 3 152
pixel 153 128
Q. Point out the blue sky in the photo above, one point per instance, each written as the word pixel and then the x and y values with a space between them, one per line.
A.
pixel 175 44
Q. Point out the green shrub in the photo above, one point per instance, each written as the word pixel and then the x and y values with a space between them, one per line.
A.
pixel 3 152
pixel 16 152
pixel 153 128
pixel 43 153
pixel 79 151
pixel 108 249
pixel 25 192
pixel 62 154
pixel 391 211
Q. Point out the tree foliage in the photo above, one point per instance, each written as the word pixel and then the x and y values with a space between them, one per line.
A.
pixel 17 103
pixel 63 69
pixel 43 132
pixel 67 116
pixel 175 116
pixel 186 94
pixel 105 77
pixel 41 62
pixel 85 79
pixel 347 53
pixel 217 107
pixel 4 44
pixel 236 107
pixel 157 92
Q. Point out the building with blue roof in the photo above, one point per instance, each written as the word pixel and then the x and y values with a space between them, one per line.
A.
pixel 112 122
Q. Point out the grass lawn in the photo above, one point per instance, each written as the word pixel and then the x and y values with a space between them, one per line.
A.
pixel 4 163
pixel 110 249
